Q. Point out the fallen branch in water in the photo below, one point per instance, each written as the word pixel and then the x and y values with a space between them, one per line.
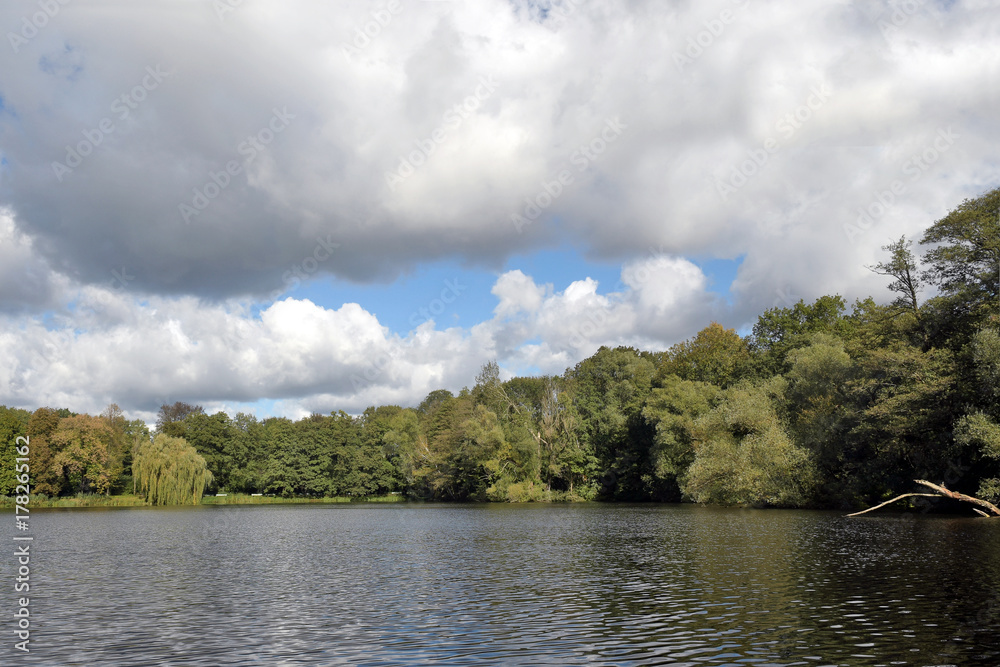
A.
pixel 954 495
pixel 941 492
pixel 889 502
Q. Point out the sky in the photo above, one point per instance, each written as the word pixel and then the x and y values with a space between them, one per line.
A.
pixel 301 206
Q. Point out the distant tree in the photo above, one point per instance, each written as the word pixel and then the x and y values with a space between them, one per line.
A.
pixel 780 330
pixel 715 355
pixel 87 456
pixel 121 443
pixel 47 477
pixel 168 471
pixel 396 431
pixel 433 400
pixel 171 417
pixel 610 389
pixel 13 424
pixel 212 436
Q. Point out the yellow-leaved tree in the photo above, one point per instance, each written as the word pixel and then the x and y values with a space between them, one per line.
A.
pixel 169 471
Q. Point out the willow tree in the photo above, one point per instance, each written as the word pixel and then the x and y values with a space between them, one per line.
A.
pixel 169 471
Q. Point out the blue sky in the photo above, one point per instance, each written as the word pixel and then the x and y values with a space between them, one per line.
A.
pixel 414 298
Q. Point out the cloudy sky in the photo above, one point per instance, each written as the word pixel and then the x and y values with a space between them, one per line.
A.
pixel 298 206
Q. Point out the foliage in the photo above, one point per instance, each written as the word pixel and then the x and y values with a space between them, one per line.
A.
pixel 88 455
pixel 780 330
pixel 672 410
pixel 744 454
pixel 168 471
pixel 716 355
pixel 13 424
pixel 822 405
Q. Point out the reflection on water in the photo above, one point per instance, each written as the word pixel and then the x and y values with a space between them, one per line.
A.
pixel 501 584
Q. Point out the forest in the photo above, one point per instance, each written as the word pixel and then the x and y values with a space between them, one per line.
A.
pixel 824 404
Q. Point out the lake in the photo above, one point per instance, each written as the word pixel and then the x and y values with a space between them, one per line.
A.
pixel 414 584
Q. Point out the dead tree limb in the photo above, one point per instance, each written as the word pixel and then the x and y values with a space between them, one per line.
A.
pixel 940 492
pixel 954 495
pixel 888 502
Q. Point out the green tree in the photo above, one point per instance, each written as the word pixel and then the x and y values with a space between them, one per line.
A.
pixel 47 477
pixel 168 471
pixel 780 330
pixel 361 467
pixel 903 401
pixel 963 261
pixel 902 268
pixel 286 462
pixel 716 355
pixel 819 413
pixel 248 455
pixel 744 455
pixel 610 389
pixel 212 436
pixel 13 424
pixel 439 473
pixel 978 433
pixel 170 419
pixel 673 409
pixel 396 432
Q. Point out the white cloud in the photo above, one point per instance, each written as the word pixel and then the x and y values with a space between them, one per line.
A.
pixel 768 144
pixel 108 348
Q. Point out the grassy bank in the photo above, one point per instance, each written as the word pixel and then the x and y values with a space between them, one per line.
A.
pixel 246 499
pixel 93 500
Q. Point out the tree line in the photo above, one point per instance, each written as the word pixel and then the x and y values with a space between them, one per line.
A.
pixel 822 405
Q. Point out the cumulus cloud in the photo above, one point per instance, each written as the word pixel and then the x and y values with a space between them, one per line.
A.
pixel 107 347
pixel 419 139
pixel 210 160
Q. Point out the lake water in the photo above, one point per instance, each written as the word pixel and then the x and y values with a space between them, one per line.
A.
pixel 506 584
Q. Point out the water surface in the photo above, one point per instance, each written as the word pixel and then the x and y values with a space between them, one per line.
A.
pixel 508 584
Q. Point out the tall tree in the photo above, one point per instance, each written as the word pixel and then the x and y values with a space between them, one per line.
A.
pixel 902 268
pixel 964 262
pixel 48 478
pixel 610 389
